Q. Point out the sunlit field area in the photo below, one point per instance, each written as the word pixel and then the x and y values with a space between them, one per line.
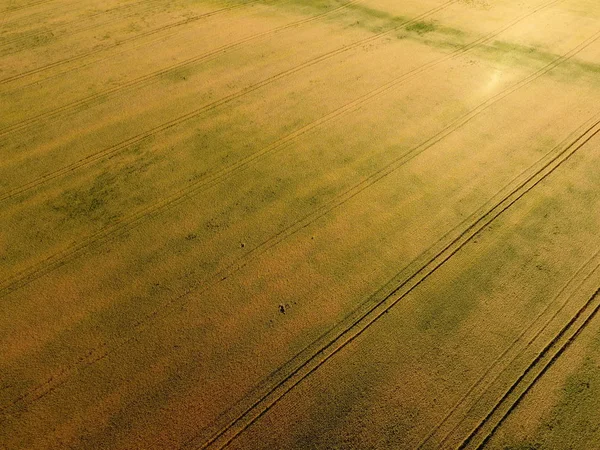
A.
pixel 293 224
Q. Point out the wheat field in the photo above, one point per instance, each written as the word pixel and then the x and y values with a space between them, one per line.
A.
pixel 329 224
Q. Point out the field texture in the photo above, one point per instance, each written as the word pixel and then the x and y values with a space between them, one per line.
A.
pixel 264 224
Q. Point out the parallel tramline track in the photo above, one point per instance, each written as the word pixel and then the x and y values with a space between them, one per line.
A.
pixel 360 323
pixel 153 76
pixel 39 15
pixel 119 43
pixel 117 148
pixel 464 408
pixel 71 29
pixel 83 15
pixel 268 394
pixel 92 14
pixel 216 176
pixel 128 49
pixel 104 350
pixel 523 384
pixel 28 5
pixel 554 350
pixel 194 188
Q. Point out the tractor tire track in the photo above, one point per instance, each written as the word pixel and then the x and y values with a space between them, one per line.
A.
pixel 481 435
pixel 234 422
pixel 67 26
pixel 102 351
pixel 30 274
pixel 28 5
pixel 508 357
pixel 112 150
pixel 20 40
pixel 119 43
pixel 141 81
pixel 104 58
pixel 32 16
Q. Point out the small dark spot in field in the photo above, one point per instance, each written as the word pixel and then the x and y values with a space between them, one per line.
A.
pixel 191 237
pixel 242 245
pixel 282 309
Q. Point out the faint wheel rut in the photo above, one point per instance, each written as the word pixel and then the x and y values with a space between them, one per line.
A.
pixel 486 428
pixel 68 26
pixel 265 396
pixel 118 44
pixel 451 431
pixel 102 352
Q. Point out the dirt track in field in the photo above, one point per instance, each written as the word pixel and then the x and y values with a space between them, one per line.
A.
pixel 291 224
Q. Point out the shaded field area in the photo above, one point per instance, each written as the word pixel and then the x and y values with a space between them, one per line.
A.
pixel 289 224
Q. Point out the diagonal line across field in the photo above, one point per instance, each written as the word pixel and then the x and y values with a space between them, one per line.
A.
pixel 141 81
pixel 266 396
pixel 28 5
pixel 532 373
pixel 204 57
pixel 68 26
pixel 160 36
pixel 24 277
pixel 112 150
pixel 447 429
pixel 101 353
pixel 107 10
pixel 99 50
pixel 57 7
